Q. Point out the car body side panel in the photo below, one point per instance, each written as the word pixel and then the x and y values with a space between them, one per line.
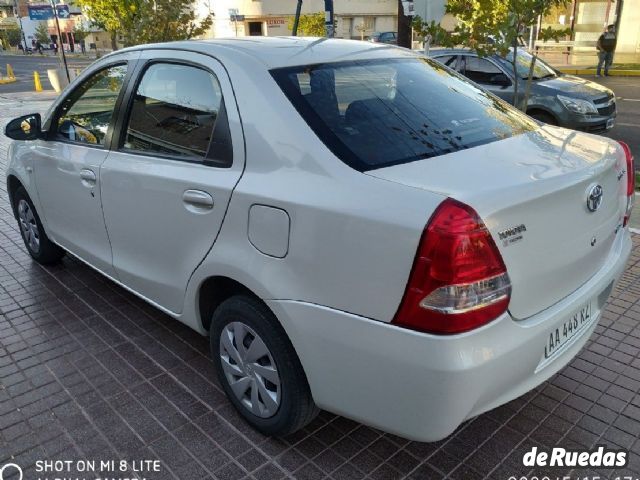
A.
pixel 21 167
pixel 145 212
pixel 423 386
pixel 353 240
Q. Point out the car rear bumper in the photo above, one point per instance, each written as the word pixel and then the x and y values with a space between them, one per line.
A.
pixel 423 386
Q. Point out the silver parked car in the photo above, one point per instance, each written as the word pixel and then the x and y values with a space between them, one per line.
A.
pixel 555 98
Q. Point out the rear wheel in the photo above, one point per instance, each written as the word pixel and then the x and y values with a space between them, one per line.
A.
pixel 544 117
pixel 259 368
pixel 41 249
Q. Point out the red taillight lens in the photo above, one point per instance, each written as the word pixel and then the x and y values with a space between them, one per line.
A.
pixel 458 281
pixel 631 181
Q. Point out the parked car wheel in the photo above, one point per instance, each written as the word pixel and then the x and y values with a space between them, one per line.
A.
pixel 259 368
pixel 38 245
pixel 544 117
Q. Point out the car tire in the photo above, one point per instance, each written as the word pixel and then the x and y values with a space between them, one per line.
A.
pixel 544 118
pixel 264 381
pixel 41 249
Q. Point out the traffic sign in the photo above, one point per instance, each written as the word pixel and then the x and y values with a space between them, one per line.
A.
pixel 45 12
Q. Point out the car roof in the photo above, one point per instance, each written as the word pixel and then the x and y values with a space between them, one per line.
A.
pixel 277 52
pixel 433 51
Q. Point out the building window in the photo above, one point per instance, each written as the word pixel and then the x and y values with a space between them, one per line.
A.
pixel 369 23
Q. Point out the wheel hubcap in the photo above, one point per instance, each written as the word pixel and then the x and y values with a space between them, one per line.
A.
pixel 29 226
pixel 250 369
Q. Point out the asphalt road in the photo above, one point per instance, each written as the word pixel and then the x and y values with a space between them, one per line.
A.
pixel 627 128
pixel 25 65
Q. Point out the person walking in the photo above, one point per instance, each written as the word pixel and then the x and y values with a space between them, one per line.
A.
pixel 606 46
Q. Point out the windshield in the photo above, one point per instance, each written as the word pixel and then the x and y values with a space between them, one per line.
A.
pixel 523 64
pixel 377 113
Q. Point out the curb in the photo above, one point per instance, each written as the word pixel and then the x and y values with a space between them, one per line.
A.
pixel 592 71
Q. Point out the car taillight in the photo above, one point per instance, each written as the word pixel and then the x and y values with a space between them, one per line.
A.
pixel 458 281
pixel 631 181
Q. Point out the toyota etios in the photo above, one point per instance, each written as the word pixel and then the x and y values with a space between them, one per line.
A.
pixel 357 228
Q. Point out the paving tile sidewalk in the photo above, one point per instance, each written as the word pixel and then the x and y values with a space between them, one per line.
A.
pixel 88 371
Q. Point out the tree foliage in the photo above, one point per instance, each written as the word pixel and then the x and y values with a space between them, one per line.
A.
pixel 167 20
pixel 311 25
pixel 42 33
pixel 13 36
pixel 493 27
pixel 145 21
pixel 79 32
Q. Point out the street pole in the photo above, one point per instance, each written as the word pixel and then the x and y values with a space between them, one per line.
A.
pixel 64 57
pixel 328 18
pixel 296 20
pixel 24 39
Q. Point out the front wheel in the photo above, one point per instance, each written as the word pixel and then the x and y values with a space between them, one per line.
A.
pixel 41 249
pixel 544 118
pixel 259 368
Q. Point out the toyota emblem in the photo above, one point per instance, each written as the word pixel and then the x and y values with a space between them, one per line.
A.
pixel 594 198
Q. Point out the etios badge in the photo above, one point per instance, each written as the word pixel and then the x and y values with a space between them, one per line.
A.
pixel 594 198
pixel 10 468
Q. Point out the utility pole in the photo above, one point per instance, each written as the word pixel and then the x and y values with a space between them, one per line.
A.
pixel 296 21
pixel 64 57
pixel 24 39
pixel 328 18
pixel 404 27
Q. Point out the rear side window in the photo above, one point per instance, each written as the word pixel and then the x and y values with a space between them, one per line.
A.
pixel 480 70
pixel 178 111
pixel 378 113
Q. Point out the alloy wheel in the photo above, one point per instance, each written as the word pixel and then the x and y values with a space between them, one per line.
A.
pixel 250 369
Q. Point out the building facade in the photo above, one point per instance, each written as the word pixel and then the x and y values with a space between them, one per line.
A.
pixel 355 18
pixel 18 14
pixel 587 19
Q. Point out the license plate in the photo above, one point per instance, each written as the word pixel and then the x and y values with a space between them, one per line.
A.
pixel 610 123
pixel 571 328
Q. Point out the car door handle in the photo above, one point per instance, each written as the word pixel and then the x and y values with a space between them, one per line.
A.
pixel 198 198
pixel 88 177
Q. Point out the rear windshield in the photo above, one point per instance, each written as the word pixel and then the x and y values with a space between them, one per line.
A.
pixel 377 113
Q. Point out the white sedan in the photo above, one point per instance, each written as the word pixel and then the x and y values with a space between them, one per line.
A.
pixel 357 228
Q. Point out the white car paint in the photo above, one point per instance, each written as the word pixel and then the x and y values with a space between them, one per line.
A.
pixel 352 239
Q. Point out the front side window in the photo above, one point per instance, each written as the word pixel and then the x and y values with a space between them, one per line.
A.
pixel 448 60
pixel 523 63
pixel 177 110
pixel 376 113
pixel 86 113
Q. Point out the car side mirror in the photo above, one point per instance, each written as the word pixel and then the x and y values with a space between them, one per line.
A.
pixel 27 127
pixel 501 80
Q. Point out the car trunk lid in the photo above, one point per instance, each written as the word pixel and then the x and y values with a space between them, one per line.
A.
pixel 532 191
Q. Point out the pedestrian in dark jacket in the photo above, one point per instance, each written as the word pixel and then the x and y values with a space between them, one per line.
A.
pixel 606 46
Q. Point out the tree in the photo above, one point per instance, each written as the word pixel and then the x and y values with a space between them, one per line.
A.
pixel 112 16
pixel 144 21
pixel 362 30
pixel 14 36
pixel 311 25
pixel 179 21
pixel 79 32
pixel 404 27
pixel 42 34
pixel 494 27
